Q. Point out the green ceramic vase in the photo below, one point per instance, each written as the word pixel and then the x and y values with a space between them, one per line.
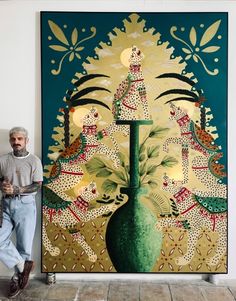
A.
pixel 132 240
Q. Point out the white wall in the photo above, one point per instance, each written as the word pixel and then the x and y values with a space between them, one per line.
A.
pixel 20 102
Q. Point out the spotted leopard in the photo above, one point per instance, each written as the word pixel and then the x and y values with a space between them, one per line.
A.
pixel 210 173
pixel 67 171
pixel 199 212
pixel 67 215
pixel 191 137
pixel 132 91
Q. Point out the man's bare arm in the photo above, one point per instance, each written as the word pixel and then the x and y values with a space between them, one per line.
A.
pixel 1 181
pixel 10 189
pixel 34 187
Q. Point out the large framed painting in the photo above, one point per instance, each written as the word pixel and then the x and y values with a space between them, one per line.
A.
pixel 134 117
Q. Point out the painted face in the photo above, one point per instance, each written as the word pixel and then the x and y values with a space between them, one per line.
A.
pixel 136 56
pixel 168 183
pixel 175 112
pixel 90 192
pixel 18 141
pixel 92 117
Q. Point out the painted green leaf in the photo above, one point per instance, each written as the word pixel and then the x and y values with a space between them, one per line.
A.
pixel 58 48
pixel 120 175
pixel 153 151
pixel 109 186
pixel 142 169
pixel 142 148
pixel 142 157
pixel 58 33
pixel 152 184
pixel 151 169
pixel 127 168
pixel 210 33
pixel 94 165
pixel 186 50
pixel 103 173
pixel 157 132
pixel 71 57
pixel 168 161
pixel 74 36
pixel 122 159
pixel 193 36
pixel 210 49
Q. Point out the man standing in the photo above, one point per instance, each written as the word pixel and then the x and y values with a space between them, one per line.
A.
pixel 21 177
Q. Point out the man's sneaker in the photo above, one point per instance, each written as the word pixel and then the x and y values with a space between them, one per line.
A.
pixel 14 289
pixel 24 276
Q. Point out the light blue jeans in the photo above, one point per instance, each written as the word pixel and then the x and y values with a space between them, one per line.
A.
pixel 19 215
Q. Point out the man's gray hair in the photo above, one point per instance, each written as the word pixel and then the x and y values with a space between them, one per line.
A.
pixel 18 129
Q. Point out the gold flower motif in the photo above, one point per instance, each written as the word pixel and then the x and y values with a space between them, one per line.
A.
pixel 71 48
pixel 196 46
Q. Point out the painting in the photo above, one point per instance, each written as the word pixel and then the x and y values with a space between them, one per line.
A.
pixel 134 122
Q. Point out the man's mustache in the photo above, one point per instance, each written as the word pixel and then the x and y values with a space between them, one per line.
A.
pixel 16 145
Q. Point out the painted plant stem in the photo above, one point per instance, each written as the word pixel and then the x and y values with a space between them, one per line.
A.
pixel 134 148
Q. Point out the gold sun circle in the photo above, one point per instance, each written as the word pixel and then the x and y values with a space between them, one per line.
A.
pixel 78 115
pixel 125 55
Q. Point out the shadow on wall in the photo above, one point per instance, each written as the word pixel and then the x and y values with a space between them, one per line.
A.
pixel 4 142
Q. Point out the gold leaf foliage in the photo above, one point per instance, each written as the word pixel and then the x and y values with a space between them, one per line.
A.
pixel 193 36
pixel 210 33
pixel 58 32
pixel 195 48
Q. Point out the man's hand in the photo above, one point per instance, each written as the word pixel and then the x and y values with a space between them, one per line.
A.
pixel 7 187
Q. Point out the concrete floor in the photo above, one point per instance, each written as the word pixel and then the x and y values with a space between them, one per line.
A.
pixel 129 290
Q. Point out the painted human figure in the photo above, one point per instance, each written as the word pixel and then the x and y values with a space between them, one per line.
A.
pixel 21 176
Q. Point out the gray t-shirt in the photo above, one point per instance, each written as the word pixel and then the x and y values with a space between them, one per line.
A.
pixel 21 171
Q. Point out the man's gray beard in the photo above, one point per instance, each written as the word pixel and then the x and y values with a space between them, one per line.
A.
pixel 20 153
